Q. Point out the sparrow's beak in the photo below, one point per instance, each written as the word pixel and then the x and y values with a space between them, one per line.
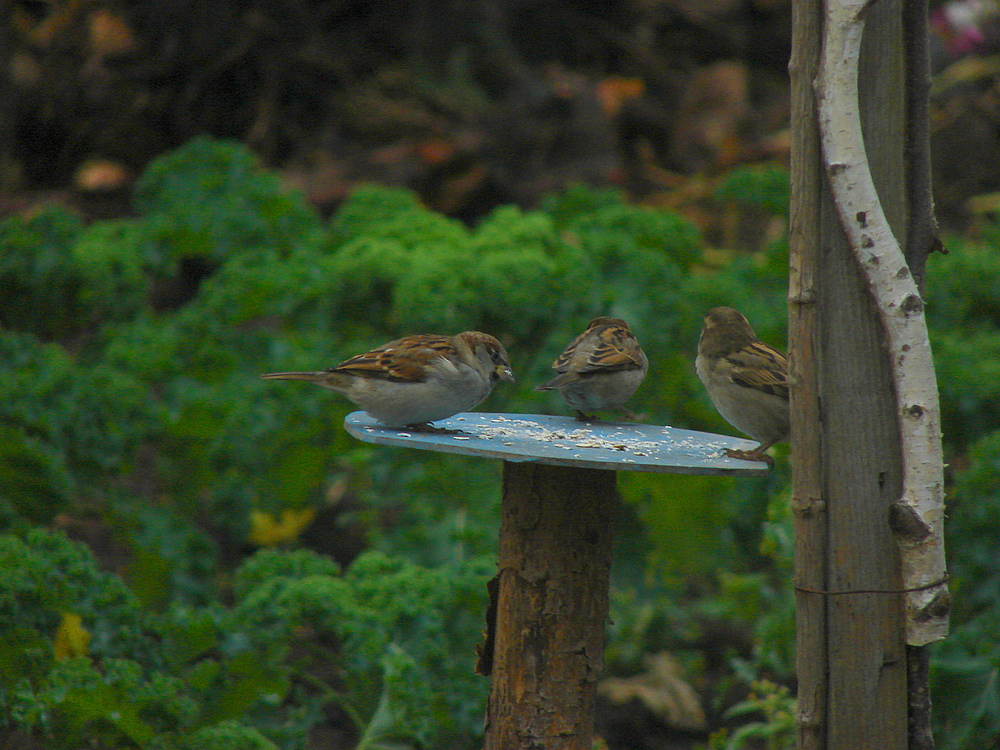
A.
pixel 504 373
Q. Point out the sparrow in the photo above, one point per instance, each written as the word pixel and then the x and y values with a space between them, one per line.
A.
pixel 746 379
pixel 600 369
pixel 418 379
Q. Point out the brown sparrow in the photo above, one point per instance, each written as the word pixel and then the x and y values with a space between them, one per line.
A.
pixel 600 369
pixel 746 379
pixel 417 379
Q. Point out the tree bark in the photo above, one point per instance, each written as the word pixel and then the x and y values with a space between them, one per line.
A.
pixel 555 558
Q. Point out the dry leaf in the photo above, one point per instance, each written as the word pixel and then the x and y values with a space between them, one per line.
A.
pixel 663 690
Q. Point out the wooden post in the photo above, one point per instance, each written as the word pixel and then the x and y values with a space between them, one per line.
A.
pixel 809 218
pixel 555 556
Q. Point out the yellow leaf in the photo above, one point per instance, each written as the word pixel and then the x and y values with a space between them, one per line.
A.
pixel 72 639
pixel 266 531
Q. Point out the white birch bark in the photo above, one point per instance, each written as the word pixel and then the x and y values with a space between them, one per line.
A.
pixel 917 518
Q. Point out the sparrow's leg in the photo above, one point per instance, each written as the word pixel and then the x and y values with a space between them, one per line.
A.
pixel 757 454
pixel 581 417
pixel 631 416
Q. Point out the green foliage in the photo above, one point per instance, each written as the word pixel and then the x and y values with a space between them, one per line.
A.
pixel 227 735
pixel 211 199
pixel 143 412
pixel 765 186
pixel 424 272
pixel 372 208
pixel 966 688
pixel 38 285
pixel 76 423
pixel 975 527
pixel 377 641
pixel 173 560
pixel 966 666
pixel 34 486
pixel 963 310
pixel 394 624
pixel 44 576
pixel 57 279
pixel 684 514
pixel 777 730
pixel 130 405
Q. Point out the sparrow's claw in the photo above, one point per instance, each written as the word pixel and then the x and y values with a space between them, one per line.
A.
pixel 754 455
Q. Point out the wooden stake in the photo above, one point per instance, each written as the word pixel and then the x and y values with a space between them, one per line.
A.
pixel 809 510
pixel 555 556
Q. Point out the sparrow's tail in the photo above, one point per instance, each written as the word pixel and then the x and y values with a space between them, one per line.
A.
pixel 312 377
pixel 558 381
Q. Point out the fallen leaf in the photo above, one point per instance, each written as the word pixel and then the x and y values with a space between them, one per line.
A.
pixel 267 531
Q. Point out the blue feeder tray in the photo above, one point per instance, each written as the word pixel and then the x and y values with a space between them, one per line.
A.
pixel 564 441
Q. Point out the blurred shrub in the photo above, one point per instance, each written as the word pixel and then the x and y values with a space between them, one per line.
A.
pixel 58 279
pixel 380 639
pixel 778 729
pixel 964 671
pixel 51 592
pixel 80 425
pixel 963 314
pixel 766 187
pixel 211 199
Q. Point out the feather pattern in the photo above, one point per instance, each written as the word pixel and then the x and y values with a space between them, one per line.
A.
pixel 760 367
pixel 607 344
pixel 404 360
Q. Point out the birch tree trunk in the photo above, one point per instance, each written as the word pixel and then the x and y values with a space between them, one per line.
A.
pixel 917 517
pixel 867 470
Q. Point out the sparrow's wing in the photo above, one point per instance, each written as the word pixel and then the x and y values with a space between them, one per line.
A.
pixel 565 360
pixel 404 360
pixel 761 368
pixel 612 348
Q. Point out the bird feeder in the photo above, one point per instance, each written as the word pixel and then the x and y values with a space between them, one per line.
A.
pixel 544 643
